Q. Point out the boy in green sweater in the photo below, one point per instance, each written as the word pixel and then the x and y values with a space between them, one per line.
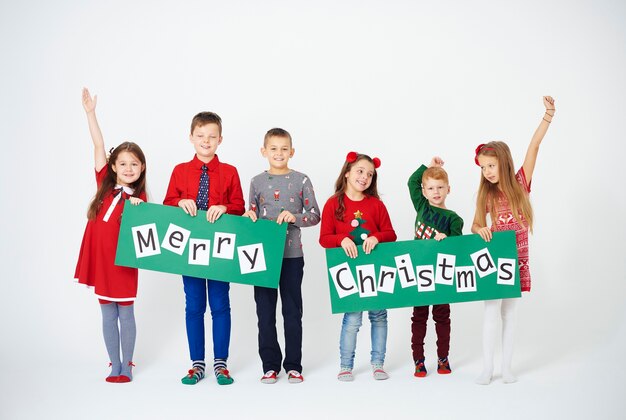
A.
pixel 429 188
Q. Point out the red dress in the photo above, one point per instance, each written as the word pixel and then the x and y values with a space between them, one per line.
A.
pixel 96 267
pixel 504 220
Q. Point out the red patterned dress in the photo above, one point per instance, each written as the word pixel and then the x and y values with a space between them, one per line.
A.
pixel 96 262
pixel 504 220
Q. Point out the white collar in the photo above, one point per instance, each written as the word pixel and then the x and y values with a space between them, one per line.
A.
pixel 127 190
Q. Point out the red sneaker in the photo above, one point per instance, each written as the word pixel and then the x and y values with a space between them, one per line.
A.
pixel 270 377
pixel 295 377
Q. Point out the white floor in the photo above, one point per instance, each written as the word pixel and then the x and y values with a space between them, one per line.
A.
pixel 560 375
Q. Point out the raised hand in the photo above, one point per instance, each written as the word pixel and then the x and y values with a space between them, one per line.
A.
pixel 99 154
pixel 89 103
pixel 548 102
pixel 436 162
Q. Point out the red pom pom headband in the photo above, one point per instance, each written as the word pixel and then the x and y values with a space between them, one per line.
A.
pixel 351 158
pixel 479 149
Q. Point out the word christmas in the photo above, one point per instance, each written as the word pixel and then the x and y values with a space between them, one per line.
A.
pixel 233 249
pixel 417 273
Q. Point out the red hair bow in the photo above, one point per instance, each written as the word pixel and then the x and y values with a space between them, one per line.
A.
pixel 376 162
pixel 478 150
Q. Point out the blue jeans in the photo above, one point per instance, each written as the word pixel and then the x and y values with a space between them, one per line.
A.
pixel 350 327
pixel 196 291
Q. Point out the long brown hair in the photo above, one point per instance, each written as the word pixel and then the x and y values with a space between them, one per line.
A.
pixel 507 185
pixel 342 182
pixel 109 181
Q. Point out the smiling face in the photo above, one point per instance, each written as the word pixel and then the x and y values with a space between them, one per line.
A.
pixel 205 140
pixel 359 178
pixel 127 168
pixel 278 151
pixel 435 191
pixel 489 168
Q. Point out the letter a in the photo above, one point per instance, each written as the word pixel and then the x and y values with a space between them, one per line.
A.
pixel 483 262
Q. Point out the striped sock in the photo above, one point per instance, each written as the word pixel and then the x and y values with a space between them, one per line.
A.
pixel 221 373
pixel 199 366
pixel 218 365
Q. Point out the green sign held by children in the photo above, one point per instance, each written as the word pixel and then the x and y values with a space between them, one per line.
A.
pixel 233 249
pixel 417 273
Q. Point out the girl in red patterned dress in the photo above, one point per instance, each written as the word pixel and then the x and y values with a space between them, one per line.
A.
pixel 504 195
pixel 122 177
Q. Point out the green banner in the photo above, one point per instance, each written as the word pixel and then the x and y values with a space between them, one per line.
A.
pixel 424 272
pixel 233 249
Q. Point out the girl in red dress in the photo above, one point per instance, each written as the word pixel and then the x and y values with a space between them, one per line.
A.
pixel 121 177
pixel 504 195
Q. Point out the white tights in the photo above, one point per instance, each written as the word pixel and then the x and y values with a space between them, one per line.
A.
pixel 507 313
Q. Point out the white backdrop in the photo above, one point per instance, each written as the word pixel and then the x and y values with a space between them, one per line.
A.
pixel 400 80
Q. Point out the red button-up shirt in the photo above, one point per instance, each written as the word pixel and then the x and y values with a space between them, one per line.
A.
pixel 224 185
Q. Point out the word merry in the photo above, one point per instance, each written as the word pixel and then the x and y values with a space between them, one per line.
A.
pixel 422 277
pixel 178 239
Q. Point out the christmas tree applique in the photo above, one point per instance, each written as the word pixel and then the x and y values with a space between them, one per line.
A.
pixel 359 234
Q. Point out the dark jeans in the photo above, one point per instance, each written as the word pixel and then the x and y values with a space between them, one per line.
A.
pixel 291 298
pixel 441 316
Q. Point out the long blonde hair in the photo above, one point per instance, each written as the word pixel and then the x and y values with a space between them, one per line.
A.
pixel 507 185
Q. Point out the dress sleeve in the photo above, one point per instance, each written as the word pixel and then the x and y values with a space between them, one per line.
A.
pixel 100 175
pixel 521 178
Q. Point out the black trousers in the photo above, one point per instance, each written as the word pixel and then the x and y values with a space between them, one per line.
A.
pixel 290 288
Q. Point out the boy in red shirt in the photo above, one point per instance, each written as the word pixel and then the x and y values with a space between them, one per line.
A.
pixel 205 183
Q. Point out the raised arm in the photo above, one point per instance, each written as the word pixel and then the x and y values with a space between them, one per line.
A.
pixel 99 154
pixel 540 132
